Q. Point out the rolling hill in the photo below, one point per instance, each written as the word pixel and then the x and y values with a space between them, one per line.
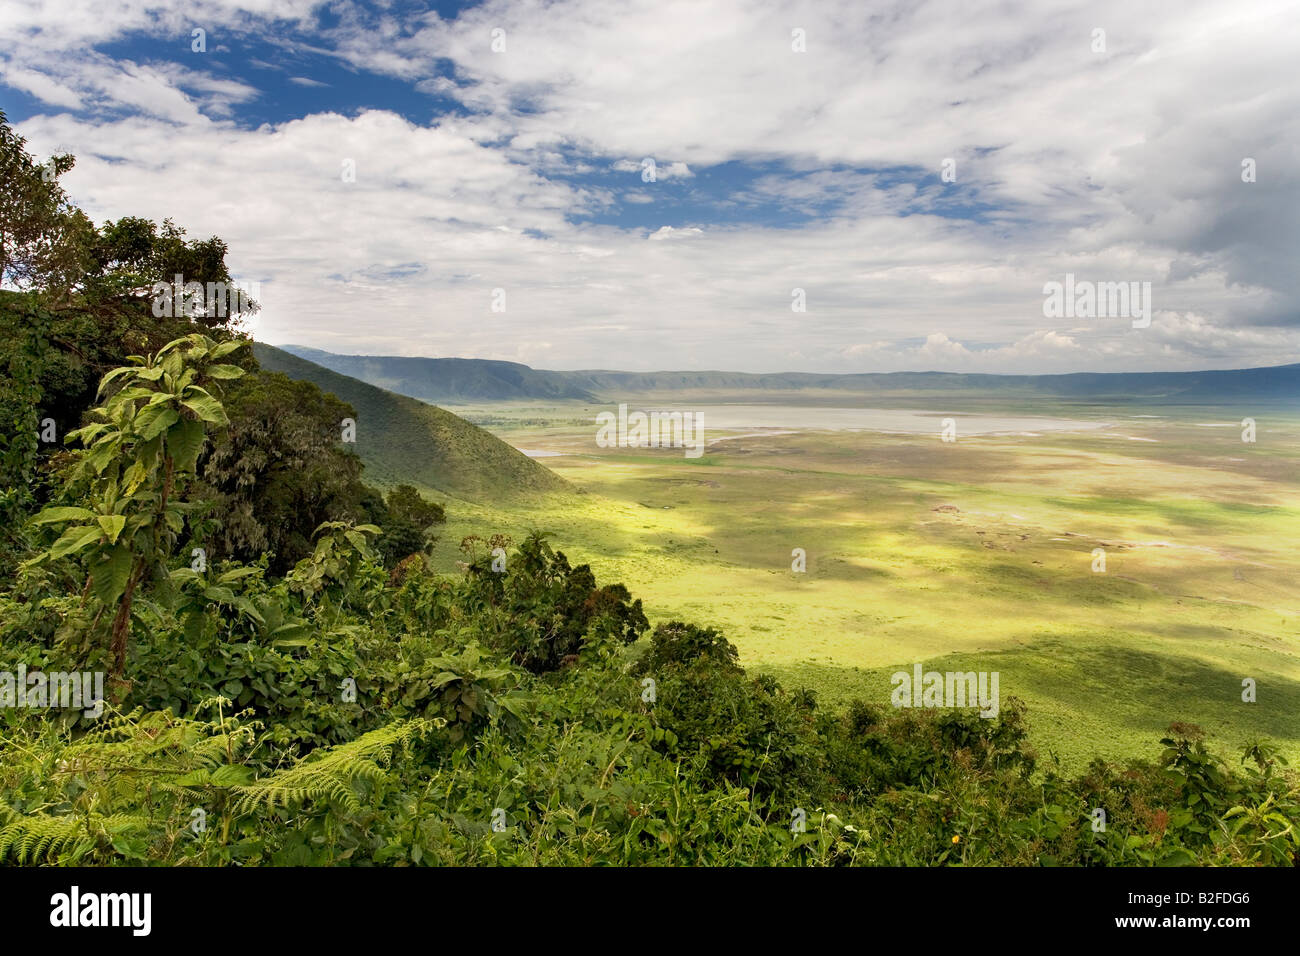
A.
pixel 403 440
pixel 482 380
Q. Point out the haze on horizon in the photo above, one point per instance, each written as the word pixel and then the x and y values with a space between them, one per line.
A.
pixel 306 351
pixel 795 147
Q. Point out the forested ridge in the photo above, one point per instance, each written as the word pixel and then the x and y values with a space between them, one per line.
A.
pixel 288 682
pixel 407 440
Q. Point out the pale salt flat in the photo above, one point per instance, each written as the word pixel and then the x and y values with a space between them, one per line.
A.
pixel 904 421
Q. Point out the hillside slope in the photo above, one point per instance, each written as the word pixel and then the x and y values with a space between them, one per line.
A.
pixel 448 379
pixel 403 440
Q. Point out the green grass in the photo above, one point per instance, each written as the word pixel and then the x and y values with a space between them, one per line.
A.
pixel 401 439
pixel 1201 588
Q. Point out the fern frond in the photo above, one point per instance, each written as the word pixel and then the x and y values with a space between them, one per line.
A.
pixel 332 774
pixel 155 743
pixel 36 837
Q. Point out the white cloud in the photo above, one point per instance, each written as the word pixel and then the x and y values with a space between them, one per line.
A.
pixel 668 232
pixel 1122 166
pixel 43 87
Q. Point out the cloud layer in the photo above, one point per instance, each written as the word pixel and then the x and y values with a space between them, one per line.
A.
pixel 779 175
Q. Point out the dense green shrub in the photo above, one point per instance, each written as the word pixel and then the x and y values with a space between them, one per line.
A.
pixel 745 731
pixel 542 610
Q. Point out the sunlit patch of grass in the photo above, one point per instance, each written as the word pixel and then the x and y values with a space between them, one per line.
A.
pixel 1201 588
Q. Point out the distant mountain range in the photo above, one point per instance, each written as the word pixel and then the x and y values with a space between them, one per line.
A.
pixel 483 380
pixel 401 439
pixel 447 379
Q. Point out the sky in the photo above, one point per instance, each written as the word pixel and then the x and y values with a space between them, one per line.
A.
pixel 852 186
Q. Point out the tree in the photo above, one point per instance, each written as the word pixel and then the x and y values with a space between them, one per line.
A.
pixel 42 234
pixel 279 471
pixel 86 302
pixel 129 258
pixel 406 503
pixel 406 523
pixel 132 467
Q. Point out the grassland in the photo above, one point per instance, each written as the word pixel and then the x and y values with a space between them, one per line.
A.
pixel 973 555
pixel 402 439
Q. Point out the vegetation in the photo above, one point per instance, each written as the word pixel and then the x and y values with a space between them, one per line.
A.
pixel 403 440
pixel 447 379
pixel 334 717
pixel 975 555
pixel 356 707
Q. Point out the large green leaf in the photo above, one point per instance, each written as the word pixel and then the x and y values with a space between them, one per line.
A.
pixel 116 373
pixel 88 434
pixel 134 477
pixel 76 539
pixel 112 525
pixel 232 775
pixel 223 371
pixel 100 457
pixel 288 643
pixel 236 573
pixel 185 440
pixel 173 364
pixel 205 406
pixel 175 520
pixel 225 348
pixel 295 634
pixel 130 394
pixel 183 576
pixel 244 604
pixel 53 515
pixel 155 420
pixel 147 451
pixel 109 576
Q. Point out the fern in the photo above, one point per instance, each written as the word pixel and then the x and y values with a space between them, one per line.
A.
pixel 156 744
pixel 93 787
pixel 332 774
pixel 40 837
pixel 29 839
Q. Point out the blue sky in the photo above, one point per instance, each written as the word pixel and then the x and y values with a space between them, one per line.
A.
pixel 386 172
